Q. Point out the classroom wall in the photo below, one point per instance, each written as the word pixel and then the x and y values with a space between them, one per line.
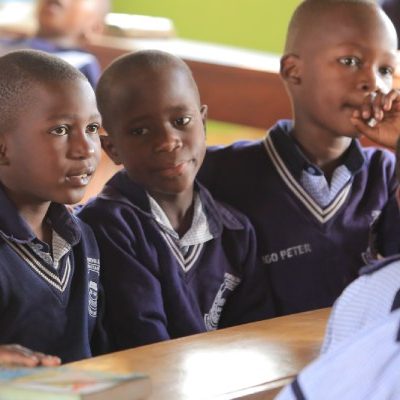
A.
pixel 254 24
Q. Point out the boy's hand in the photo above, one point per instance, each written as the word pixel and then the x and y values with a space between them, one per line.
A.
pixel 379 118
pixel 16 355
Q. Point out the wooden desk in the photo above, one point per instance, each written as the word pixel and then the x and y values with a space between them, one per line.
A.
pixel 251 361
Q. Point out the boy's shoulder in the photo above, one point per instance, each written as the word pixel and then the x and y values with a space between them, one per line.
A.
pixel 380 153
pixel 118 193
pixel 216 210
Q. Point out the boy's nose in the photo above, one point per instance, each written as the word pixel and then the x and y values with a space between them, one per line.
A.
pixel 168 139
pixel 82 146
pixel 371 81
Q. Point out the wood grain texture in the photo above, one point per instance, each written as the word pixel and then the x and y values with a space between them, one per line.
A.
pixel 251 361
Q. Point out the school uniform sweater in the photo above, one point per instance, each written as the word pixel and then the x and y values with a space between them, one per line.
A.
pixel 368 299
pixel 46 309
pixel 311 252
pixel 153 292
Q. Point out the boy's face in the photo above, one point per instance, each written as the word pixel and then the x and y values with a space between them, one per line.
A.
pixel 347 55
pixel 53 149
pixel 72 18
pixel 159 131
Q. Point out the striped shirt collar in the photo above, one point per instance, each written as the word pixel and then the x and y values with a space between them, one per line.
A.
pixel 52 256
pixel 295 159
pixel 198 233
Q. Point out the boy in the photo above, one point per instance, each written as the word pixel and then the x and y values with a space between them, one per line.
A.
pixel 174 261
pixel 63 27
pixel 309 188
pixel 364 367
pixel 49 264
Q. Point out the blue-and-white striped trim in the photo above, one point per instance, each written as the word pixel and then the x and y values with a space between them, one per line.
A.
pixel 186 262
pixel 321 214
pixel 43 272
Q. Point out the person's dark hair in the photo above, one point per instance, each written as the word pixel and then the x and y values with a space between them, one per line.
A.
pixel 130 65
pixel 22 70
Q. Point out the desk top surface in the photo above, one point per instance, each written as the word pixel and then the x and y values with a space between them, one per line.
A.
pixel 247 361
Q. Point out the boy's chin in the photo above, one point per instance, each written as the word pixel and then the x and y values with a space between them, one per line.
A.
pixel 70 199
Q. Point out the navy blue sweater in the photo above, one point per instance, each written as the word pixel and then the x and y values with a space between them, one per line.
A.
pixel 149 296
pixel 311 253
pixel 48 310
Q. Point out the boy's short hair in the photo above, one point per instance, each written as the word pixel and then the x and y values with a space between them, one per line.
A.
pixel 114 75
pixel 19 72
pixel 311 9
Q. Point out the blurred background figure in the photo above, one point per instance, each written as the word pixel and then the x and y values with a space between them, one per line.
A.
pixel 392 8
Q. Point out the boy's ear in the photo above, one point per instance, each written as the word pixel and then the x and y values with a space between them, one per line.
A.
pixel 108 146
pixel 203 112
pixel 290 69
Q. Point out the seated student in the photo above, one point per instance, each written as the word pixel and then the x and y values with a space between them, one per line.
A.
pixel 309 188
pixel 174 261
pixel 64 26
pixel 363 367
pixel 49 264
pixel 369 298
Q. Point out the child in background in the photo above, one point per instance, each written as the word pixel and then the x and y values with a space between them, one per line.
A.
pixel 174 261
pixel 309 188
pixel 392 9
pixel 49 264
pixel 63 27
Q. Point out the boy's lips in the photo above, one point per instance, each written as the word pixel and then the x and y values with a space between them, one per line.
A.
pixel 173 169
pixel 81 177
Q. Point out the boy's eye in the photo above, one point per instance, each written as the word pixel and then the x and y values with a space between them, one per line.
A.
pixel 386 71
pixel 93 129
pixel 139 131
pixel 182 121
pixel 59 131
pixel 350 61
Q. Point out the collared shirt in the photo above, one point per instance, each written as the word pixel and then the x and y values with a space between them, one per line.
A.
pixel 198 233
pixel 60 247
pixel 310 176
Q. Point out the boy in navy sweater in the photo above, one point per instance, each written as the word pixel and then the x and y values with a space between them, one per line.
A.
pixel 174 261
pixel 49 260
pixel 311 191
pixel 64 26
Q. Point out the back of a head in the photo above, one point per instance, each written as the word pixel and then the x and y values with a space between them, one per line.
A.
pixel 129 70
pixel 306 21
pixel 20 71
